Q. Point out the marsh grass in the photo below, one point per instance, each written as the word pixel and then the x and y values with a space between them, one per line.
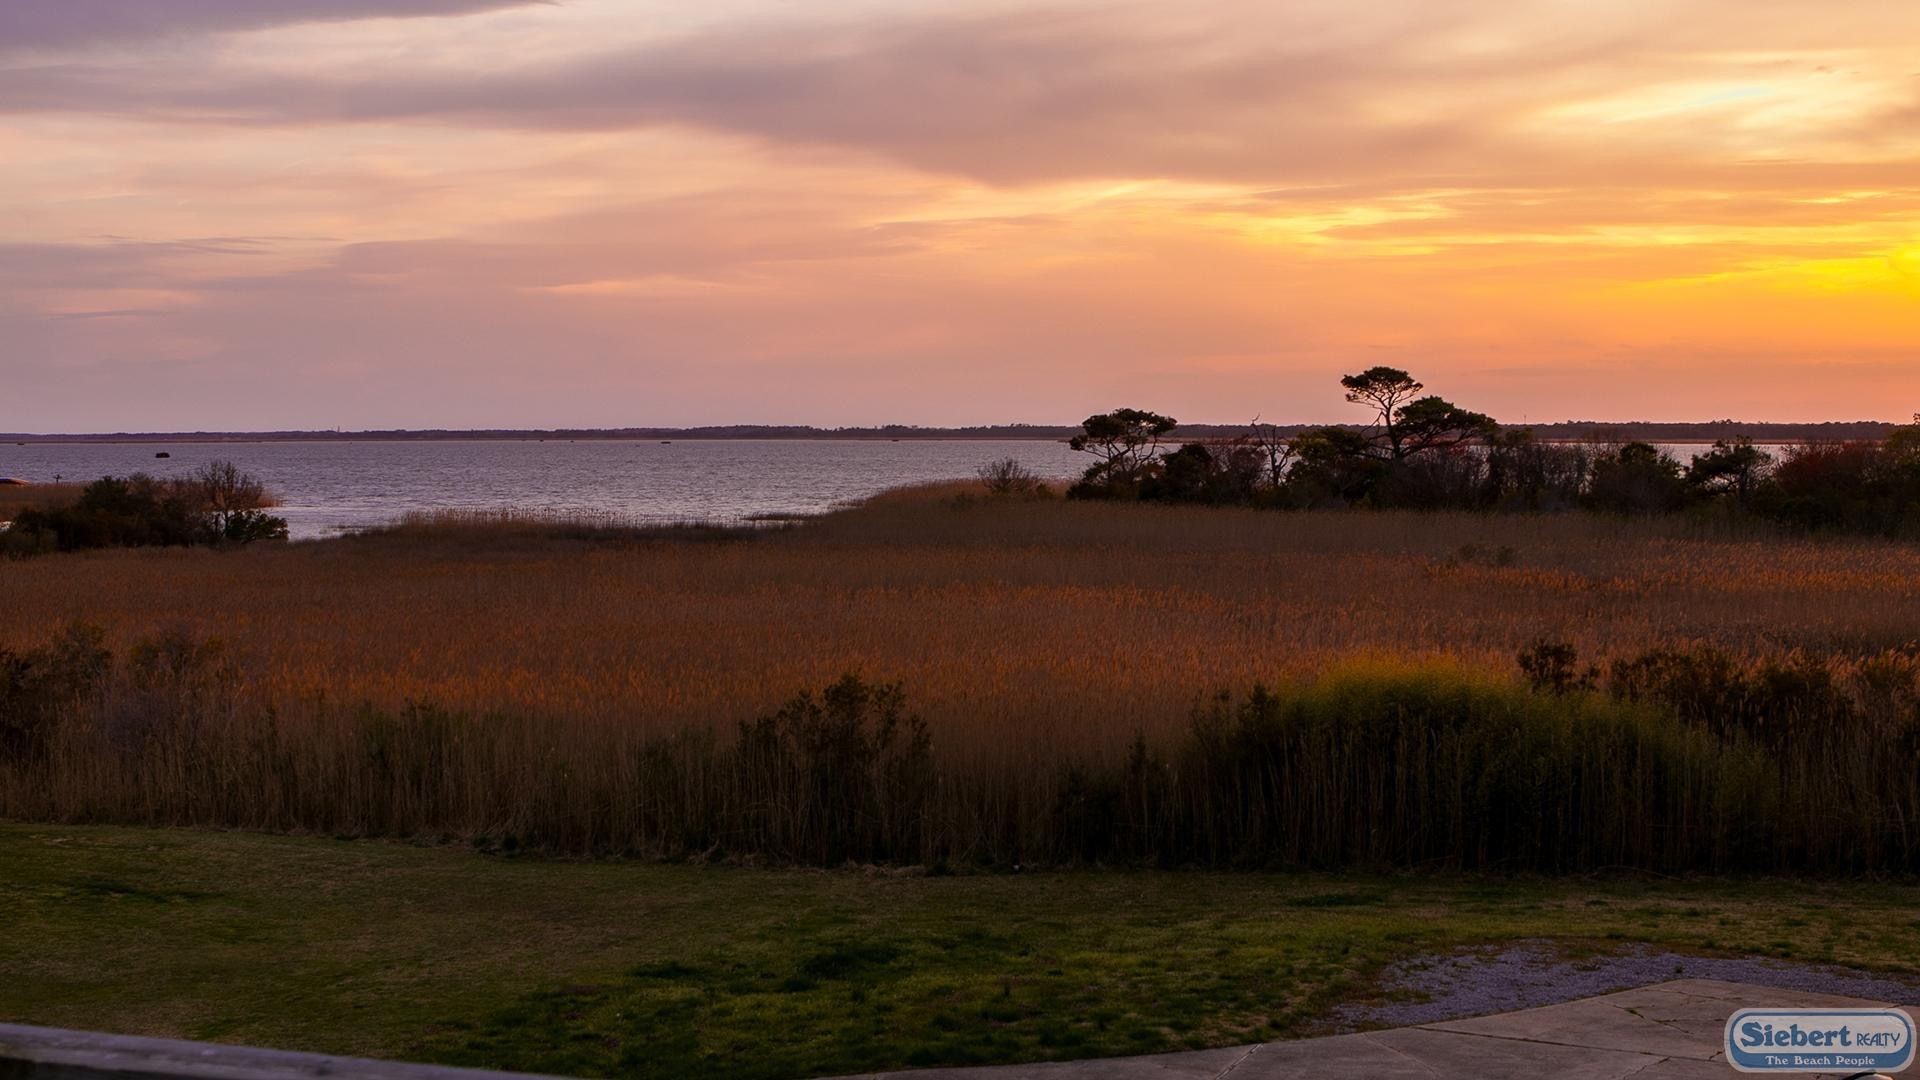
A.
pixel 582 688
pixel 499 532
pixel 16 497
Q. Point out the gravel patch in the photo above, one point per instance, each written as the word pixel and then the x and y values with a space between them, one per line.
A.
pixel 1526 974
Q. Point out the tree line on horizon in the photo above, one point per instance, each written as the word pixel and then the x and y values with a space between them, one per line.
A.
pixel 1557 430
pixel 1420 451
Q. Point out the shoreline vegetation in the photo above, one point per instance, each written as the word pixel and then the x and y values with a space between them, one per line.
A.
pixel 1423 452
pixel 949 679
pixel 215 505
pixel 1702 432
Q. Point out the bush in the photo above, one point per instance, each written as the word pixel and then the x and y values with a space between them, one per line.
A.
pixel 1637 479
pixel 40 687
pixel 217 505
pixel 1847 486
pixel 1008 478
pixel 839 776
pixel 1416 768
pixel 1552 667
pixel 1219 474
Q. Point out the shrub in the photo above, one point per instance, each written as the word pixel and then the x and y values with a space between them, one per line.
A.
pixel 1525 474
pixel 218 504
pixel 1849 486
pixel 1735 469
pixel 40 687
pixel 838 776
pixel 1220 474
pixel 1776 701
pixel 1553 667
pixel 1637 479
pixel 1411 767
pixel 1008 478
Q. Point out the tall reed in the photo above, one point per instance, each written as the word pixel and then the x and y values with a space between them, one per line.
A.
pixel 1375 764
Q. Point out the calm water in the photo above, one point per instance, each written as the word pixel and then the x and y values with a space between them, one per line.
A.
pixel 325 487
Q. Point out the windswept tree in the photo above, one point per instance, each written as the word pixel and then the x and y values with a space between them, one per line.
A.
pixel 1434 423
pixel 1386 390
pixel 1125 442
pixel 1409 424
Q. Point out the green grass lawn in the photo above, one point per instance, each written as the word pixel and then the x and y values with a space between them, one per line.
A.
pixel 442 954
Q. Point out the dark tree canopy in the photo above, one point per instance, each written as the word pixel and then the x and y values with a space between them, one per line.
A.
pixel 1125 442
pixel 1409 424
pixel 218 504
pixel 1434 423
pixel 1386 389
pixel 1731 468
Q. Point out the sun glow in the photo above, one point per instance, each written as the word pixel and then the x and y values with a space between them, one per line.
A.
pixel 861 196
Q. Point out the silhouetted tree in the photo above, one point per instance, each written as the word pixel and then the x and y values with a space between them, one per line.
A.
pixel 1217 473
pixel 1386 389
pixel 1733 468
pixel 1126 442
pixel 1274 448
pixel 1638 478
pixel 1332 465
pixel 1409 424
pixel 1524 473
pixel 221 491
pixel 1434 423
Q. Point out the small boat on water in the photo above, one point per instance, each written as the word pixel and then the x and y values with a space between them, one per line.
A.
pixel 162 454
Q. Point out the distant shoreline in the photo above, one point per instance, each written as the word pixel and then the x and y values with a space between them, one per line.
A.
pixel 1563 431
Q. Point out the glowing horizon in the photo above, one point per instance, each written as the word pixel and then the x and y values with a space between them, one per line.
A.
pixel 243 214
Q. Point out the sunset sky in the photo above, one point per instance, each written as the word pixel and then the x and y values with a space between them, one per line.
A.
pixel 370 213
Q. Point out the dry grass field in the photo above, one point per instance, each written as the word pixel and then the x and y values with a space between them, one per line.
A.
pixel 17 497
pixel 1027 619
pixel 559 664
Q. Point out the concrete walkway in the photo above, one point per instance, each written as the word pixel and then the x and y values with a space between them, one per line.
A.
pixel 1670 1031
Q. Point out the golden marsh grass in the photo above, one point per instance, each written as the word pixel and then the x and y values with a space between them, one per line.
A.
pixel 583 686
pixel 1022 618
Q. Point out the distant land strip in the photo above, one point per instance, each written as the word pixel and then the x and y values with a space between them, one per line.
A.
pixel 1563 431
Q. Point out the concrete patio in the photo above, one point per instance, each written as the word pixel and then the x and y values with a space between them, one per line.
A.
pixel 1669 1031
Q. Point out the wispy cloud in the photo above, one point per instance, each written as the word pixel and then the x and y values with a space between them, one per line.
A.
pixel 66 24
pixel 860 211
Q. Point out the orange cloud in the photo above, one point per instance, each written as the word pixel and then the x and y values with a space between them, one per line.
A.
pixel 872 213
